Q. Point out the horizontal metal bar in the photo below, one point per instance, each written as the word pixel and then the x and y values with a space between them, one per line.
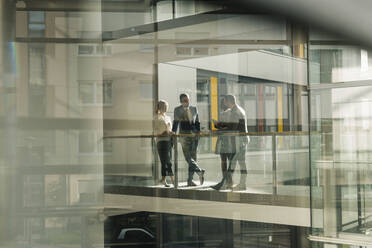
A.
pixel 327 85
pixel 57 40
pixel 343 162
pixel 213 134
pixel 91 6
pixel 152 41
pixel 339 241
pixel 201 41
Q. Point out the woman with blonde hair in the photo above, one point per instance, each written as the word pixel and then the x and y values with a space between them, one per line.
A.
pixel 163 130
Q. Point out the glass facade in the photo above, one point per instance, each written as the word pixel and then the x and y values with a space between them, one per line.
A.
pixel 175 123
pixel 51 160
pixel 340 117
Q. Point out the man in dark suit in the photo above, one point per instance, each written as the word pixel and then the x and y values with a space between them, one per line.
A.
pixel 186 117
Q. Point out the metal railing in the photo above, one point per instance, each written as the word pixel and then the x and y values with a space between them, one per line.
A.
pixel 175 137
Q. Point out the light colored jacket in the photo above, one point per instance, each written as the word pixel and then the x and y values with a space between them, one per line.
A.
pixel 237 122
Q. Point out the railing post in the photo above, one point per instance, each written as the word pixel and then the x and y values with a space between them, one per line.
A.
pixel 155 168
pixel 273 152
pixel 175 145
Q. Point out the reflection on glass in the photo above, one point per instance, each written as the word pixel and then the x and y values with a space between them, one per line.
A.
pixel 142 229
pixel 340 122
pixel 79 115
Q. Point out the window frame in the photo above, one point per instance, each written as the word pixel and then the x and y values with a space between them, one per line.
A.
pixel 29 30
pixel 95 92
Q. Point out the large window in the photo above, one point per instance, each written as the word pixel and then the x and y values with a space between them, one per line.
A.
pixel 36 23
pixel 94 50
pixel 37 79
pixel 94 93
pixel 37 64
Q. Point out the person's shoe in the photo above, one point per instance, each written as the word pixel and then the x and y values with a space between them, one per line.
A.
pixel 201 176
pixel 191 184
pixel 240 186
pixel 165 184
pixel 218 186
pixel 230 186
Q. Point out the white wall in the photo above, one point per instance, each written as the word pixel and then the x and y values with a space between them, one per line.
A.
pixel 258 64
pixel 174 80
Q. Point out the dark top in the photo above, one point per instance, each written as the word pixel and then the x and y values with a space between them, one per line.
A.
pixel 181 119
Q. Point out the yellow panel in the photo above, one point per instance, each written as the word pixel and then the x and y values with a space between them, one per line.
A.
pixel 280 115
pixel 302 50
pixel 214 100
pixel 214 107
pixel 280 109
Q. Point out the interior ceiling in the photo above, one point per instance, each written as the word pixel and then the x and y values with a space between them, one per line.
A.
pixel 351 19
pixel 84 5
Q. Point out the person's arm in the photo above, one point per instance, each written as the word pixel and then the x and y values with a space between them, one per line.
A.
pixel 197 123
pixel 175 121
pixel 242 126
pixel 244 123
pixel 219 124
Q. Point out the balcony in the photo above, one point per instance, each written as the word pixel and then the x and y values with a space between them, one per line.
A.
pixel 277 178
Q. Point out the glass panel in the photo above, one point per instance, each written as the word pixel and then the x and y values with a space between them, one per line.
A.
pixel 293 165
pixel 185 8
pixel 36 17
pixel 36 24
pixel 164 10
pixel 126 166
pixel 340 154
pixel 248 56
pixel 78 112
pixel 194 231
pixel 51 176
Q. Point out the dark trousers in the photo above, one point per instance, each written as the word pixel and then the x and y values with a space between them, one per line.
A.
pixel 226 159
pixel 189 148
pixel 239 157
pixel 165 154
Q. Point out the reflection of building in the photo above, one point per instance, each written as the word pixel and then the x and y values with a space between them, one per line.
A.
pixel 77 72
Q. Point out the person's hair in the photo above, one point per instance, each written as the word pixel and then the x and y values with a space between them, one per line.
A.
pixel 230 99
pixel 184 95
pixel 162 106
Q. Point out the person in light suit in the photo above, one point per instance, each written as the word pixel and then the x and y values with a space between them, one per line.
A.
pixel 187 120
pixel 237 122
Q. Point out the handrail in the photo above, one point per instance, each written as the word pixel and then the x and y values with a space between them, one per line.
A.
pixel 273 136
pixel 210 134
pixel 344 162
pixel 357 220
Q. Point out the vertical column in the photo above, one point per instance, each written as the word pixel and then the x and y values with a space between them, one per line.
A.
pixel 274 169
pixel 9 186
pixel 155 81
pixel 328 173
pixel 261 108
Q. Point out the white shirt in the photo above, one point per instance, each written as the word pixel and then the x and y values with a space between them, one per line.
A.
pixel 162 124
